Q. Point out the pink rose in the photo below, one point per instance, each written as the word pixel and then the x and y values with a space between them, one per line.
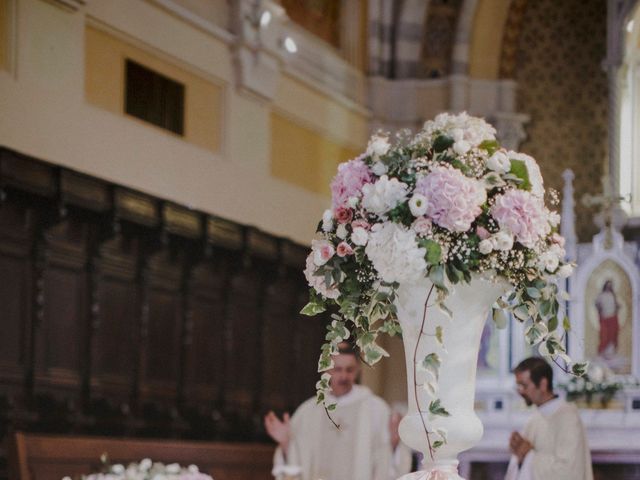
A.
pixel 454 199
pixel 422 226
pixel 322 251
pixel 557 239
pixel 482 232
pixel 343 214
pixel 343 249
pixel 361 224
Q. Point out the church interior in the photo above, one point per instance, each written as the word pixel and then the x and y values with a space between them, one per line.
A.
pixel 163 168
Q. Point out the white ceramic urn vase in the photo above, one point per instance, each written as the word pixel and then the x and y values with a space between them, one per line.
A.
pixel 470 304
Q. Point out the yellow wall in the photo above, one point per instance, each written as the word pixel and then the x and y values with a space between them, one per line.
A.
pixel 105 57
pixel 303 157
pixel 486 39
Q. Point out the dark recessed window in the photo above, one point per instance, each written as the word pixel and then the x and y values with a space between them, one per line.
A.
pixel 154 98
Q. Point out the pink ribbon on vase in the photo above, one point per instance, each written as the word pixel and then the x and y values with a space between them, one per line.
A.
pixel 442 473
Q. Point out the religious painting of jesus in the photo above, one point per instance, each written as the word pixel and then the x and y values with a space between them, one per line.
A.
pixel 608 323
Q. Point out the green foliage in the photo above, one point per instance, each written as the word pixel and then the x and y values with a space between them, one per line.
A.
pixel 491 146
pixel 435 408
pixel 434 250
pixel 442 143
pixel 520 171
pixel 315 306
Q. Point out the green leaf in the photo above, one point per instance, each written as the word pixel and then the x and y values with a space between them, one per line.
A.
pixel 435 408
pixel 579 369
pixel 312 309
pixel 533 292
pixel 436 275
pixel 441 143
pixel 519 169
pixel 491 146
pixel 434 251
pixel 521 312
pixel 566 324
pixel 431 363
pixel 535 333
pixel 499 318
pixel 553 323
pixel 437 444
pixel 439 334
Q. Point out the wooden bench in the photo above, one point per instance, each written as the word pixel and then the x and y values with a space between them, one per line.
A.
pixel 50 457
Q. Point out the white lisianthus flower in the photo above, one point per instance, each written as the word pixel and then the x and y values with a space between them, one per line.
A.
pixel 353 202
pixel 461 147
pixel 145 464
pixel 499 162
pixel 395 254
pixel 382 196
pixel 327 221
pixel 118 468
pixel 378 145
pixel 565 271
pixel 341 231
pixel 418 205
pixel 173 468
pixel 548 261
pixel 503 240
pixel 359 236
pixel 485 246
pixel 379 168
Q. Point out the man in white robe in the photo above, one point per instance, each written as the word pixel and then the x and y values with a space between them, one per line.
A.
pixel 553 445
pixel 310 447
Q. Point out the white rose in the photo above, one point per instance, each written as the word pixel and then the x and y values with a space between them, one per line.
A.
pixel 145 464
pixel 327 221
pixel 461 147
pixel 342 231
pixel 418 205
pixel 359 236
pixel 353 202
pixel 485 246
pixel 379 168
pixel 499 162
pixel 565 271
pixel 548 261
pixel 378 145
pixel 503 240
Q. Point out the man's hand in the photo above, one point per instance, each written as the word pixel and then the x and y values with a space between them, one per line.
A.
pixel 394 421
pixel 279 430
pixel 519 446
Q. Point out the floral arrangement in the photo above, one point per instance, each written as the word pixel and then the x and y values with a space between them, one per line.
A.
pixel 145 470
pixel 599 382
pixel 447 204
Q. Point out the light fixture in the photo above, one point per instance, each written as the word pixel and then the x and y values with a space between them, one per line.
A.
pixel 265 19
pixel 290 45
pixel 630 26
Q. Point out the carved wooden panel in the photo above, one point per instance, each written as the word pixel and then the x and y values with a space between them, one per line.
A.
pixel 162 330
pixel 204 341
pixel 60 336
pixel 243 337
pixel 15 266
pixel 278 339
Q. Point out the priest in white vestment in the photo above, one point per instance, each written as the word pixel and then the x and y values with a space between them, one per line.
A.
pixel 553 445
pixel 310 447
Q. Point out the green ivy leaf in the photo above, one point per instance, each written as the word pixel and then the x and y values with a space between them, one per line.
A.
pixel 553 323
pixel 566 324
pixel 437 444
pixel 431 363
pixel 435 408
pixel 439 334
pixel 499 318
pixel 434 251
pixel 579 369
pixel 436 275
pixel 519 169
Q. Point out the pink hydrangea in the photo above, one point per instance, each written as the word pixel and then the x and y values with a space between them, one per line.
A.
pixel 348 182
pixel 454 199
pixel 523 214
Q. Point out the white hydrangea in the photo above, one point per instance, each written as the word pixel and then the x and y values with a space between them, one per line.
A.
pixel 382 196
pixel 550 259
pixel 378 145
pixel 535 177
pixel 467 132
pixel 395 254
